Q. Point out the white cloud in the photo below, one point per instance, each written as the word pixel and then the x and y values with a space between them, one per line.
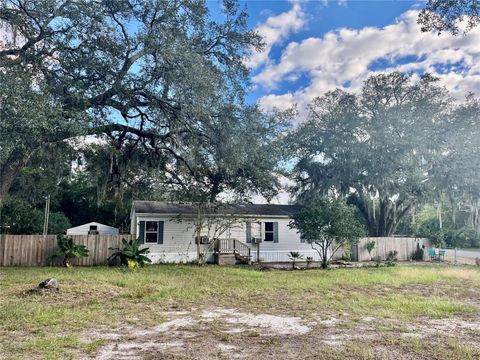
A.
pixel 344 59
pixel 275 30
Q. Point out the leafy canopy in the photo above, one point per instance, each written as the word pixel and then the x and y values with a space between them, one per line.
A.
pixel 327 225
pixel 154 75
pixel 376 148
pixel 450 15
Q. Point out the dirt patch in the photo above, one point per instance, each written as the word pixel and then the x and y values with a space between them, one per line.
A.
pixel 467 331
pixel 213 326
pixel 233 334
pixel 269 325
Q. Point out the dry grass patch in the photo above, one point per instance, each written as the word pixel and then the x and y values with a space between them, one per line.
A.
pixel 237 312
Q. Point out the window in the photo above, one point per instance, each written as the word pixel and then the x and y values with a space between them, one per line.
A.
pixel 268 231
pixel 93 230
pixel 151 231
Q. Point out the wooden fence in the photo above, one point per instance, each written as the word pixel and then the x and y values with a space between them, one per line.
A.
pixel 34 250
pixel 405 246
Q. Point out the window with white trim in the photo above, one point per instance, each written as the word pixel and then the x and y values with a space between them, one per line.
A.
pixel 268 231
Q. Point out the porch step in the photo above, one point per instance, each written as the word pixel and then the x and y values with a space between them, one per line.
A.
pixel 242 259
pixel 231 252
pixel 231 259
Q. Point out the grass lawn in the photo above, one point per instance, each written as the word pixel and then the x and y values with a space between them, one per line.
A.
pixel 188 312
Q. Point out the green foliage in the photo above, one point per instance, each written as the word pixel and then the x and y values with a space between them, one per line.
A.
pixel 327 225
pixel 89 196
pixel 243 158
pixel 346 251
pixel 58 223
pixel 392 255
pixel 159 88
pixel 463 237
pixel 20 217
pixel 391 258
pixel 377 260
pixel 155 94
pixel 370 247
pixel 426 225
pixel 418 254
pixel 458 234
pixel 68 250
pixel 374 148
pixel 294 256
pixel 130 254
pixel 452 16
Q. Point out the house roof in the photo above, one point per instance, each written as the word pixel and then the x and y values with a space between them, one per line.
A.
pixel 92 223
pixel 160 207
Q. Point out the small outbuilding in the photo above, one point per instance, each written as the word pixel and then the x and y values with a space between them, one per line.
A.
pixel 92 228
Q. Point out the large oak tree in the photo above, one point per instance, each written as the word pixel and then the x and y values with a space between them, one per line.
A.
pixel 377 148
pixel 153 74
pixel 453 16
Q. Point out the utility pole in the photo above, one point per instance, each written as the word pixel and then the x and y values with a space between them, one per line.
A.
pixel 47 214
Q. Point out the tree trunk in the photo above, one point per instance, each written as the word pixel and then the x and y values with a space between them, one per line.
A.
pixel 10 170
pixel 439 211
pixel 382 218
pixel 324 257
pixel 389 214
pixel 362 203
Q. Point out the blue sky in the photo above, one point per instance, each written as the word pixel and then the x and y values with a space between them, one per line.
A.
pixel 316 46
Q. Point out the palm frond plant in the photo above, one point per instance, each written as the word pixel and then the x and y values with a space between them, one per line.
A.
pixel 68 250
pixel 294 256
pixel 130 254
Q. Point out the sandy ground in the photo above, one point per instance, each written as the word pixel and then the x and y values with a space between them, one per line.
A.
pixel 233 334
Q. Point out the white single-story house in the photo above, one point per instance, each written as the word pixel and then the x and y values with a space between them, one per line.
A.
pixel 252 230
pixel 92 228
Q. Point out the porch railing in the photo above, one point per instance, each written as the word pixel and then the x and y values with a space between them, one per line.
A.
pixel 232 246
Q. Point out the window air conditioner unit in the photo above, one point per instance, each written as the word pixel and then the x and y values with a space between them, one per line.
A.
pixel 202 240
pixel 256 240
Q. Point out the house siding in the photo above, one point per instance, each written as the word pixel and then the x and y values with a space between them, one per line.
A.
pixel 288 240
pixel 179 239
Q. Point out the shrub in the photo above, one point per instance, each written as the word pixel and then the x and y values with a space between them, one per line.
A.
pixel 346 252
pixel 294 256
pixel 370 247
pixel 69 250
pixel 327 225
pixel 130 255
pixel 418 254
pixel 392 255
pixel 377 260
pixel 391 258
